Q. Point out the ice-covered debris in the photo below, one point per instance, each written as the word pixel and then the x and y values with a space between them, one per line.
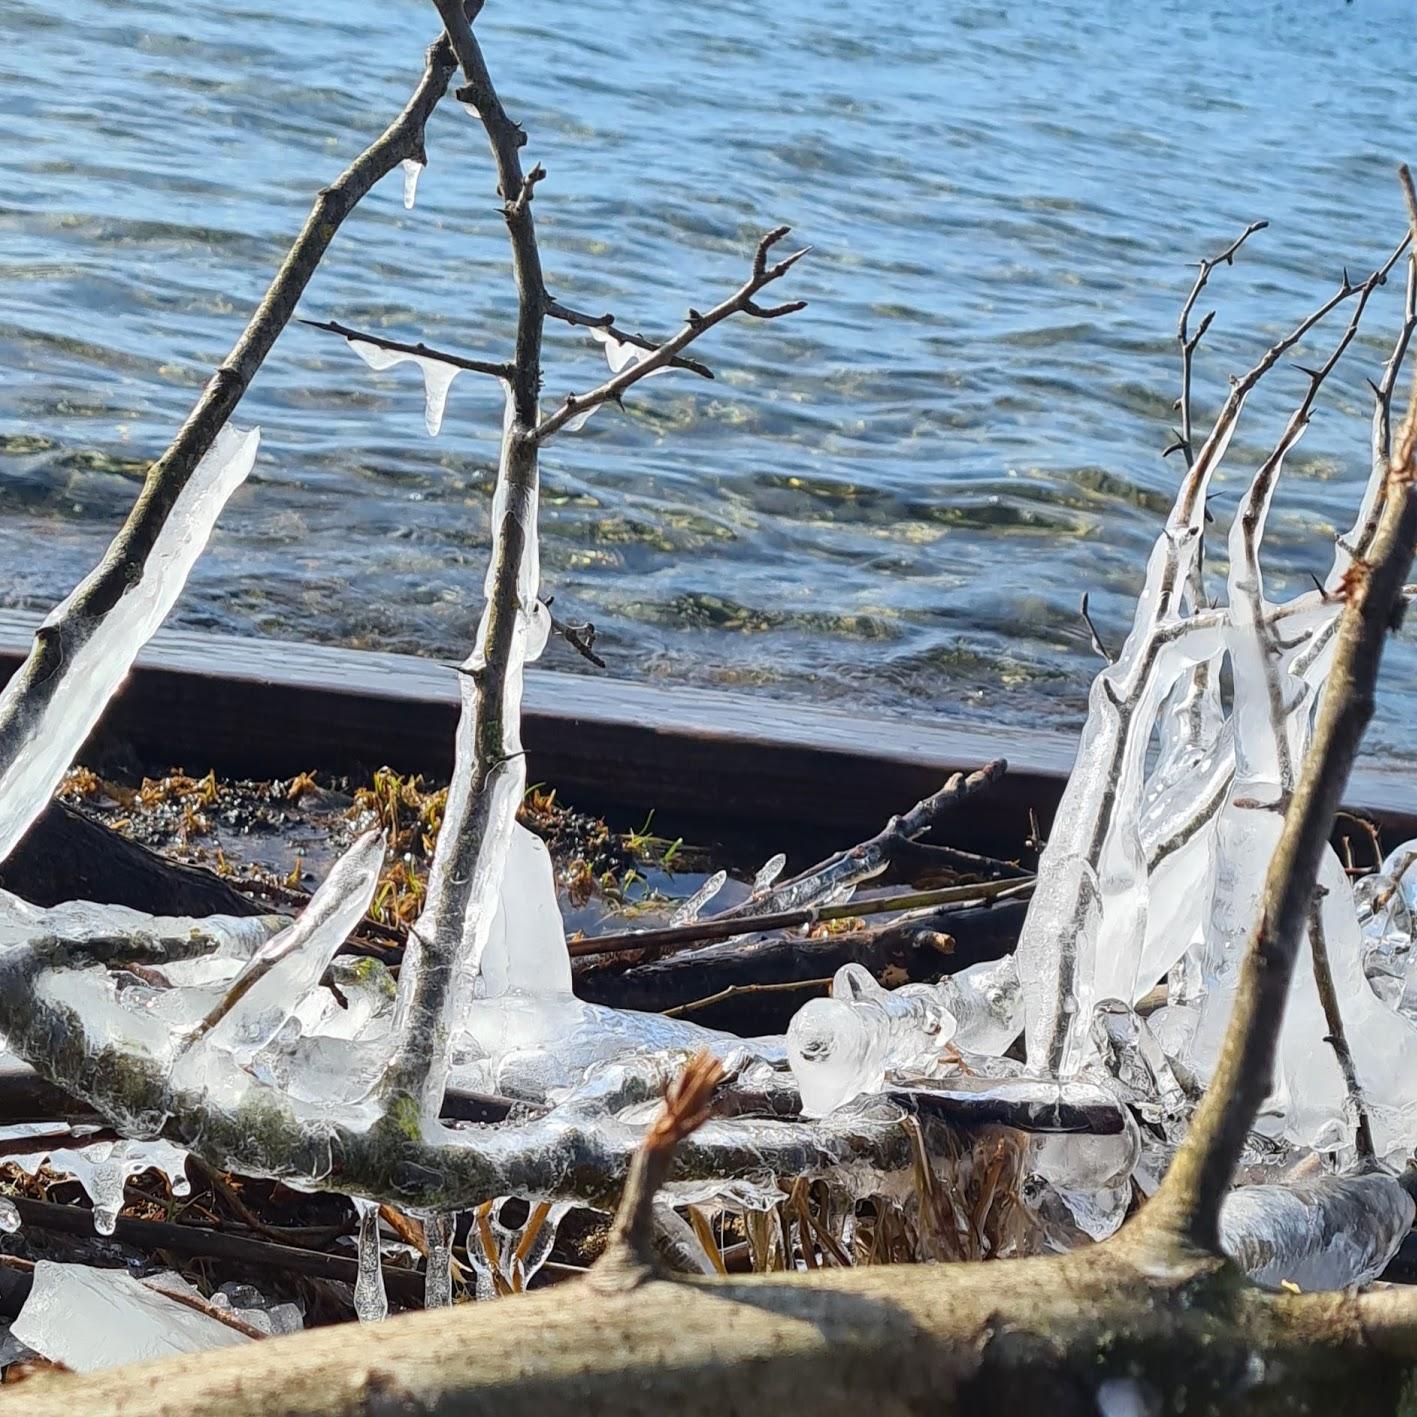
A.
pixel 9 1215
pixel 530 1046
pixel 987 1003
pixel 512 1253
pixel 248 1305
pixel 89 1319
pixel 36 748
pixel 438 1276
pixel 412 170
pixel 843 1047
pixel 104 1168
pixel 438 377
pixel 769 871
pixel 1327 1233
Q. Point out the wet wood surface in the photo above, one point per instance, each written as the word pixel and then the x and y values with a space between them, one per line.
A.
pixel 730 761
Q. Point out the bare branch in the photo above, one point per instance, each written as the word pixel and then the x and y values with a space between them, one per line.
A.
pixel 1098 648
pixel 555 310
pixel 420 350
pixel 580 637
pixel 1337 1035
pixel 740 302
pixel 1189 342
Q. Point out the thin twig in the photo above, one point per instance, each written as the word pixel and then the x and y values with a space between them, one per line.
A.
pixel 736 991
pixel 629 1256
pixel 555 310
pixel 1337 1036
pixel 740 302
pixel 1189 342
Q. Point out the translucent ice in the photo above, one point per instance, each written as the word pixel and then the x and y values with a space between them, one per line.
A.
pixel 1329 1233
pixel 39 737
pixel 89 1319
pixel 438 377
pixel 412 170
pixel 370 1302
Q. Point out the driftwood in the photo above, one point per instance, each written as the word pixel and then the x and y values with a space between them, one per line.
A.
pixel 67 856
pixel 920 950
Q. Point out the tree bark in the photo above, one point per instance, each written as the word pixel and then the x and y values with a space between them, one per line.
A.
pixel 1174 1334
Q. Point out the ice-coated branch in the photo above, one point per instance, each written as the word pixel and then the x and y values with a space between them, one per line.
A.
pixel 662 356
pixel 418 351
pixel 1254 639
pixel 27 710
pixel 555 310
pixel 1067 933
pixel 52 1014
pixel 1188 1203
pixel 489 772
pixel 1190 342
pixel 1337 1033
pixel 868 858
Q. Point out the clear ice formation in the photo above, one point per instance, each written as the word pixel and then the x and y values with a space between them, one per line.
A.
pixel 371 1303
pixel 438 376
pixel 1152 876
pixel 37 748
pixel 88 1319
pixel 1327 1233
pixel 412 171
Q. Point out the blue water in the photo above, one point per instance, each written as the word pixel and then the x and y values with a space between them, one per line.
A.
pixel 892 500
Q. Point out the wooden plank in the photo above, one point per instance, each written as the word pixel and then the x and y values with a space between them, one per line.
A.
pixel 725 760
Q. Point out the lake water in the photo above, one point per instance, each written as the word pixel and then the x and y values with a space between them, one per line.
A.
pixel 891 501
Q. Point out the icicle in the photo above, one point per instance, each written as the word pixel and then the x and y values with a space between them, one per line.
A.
pixel 687 911
pixel 438 1278
pixel 437 377
pixel 370 1302
pixel 412 170
pixel 37 748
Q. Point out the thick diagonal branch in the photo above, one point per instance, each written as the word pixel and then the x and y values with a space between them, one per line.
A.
pixel 39 680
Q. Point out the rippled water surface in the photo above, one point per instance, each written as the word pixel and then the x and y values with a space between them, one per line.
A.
pixel 892 500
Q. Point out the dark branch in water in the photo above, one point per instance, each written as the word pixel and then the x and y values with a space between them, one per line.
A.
pixel 580 636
